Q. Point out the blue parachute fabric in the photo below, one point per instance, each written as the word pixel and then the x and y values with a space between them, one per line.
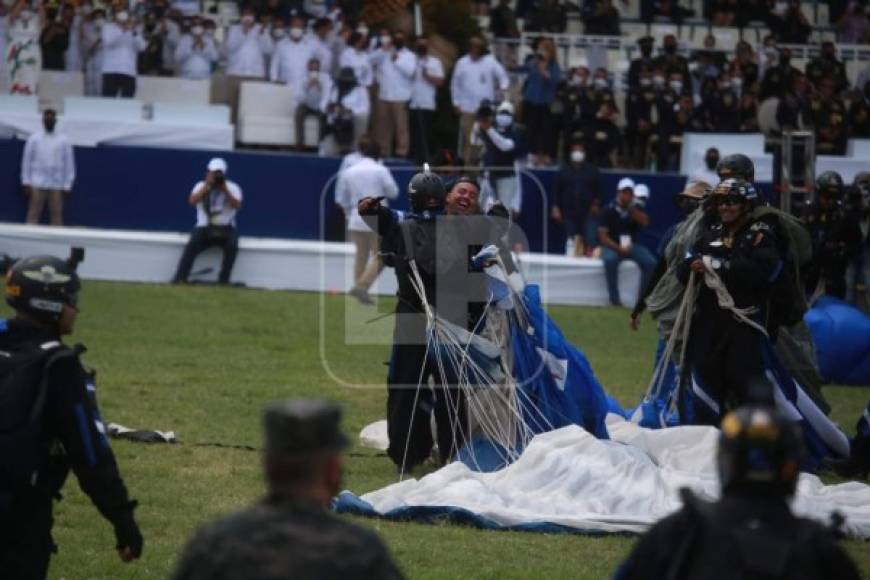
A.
pixel 655 412
pixel 558 385
pixel 821 436
pixel 484 455
pixel 349 503
pixel 841 333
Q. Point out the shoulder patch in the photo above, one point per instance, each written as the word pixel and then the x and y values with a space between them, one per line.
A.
pixel 759 227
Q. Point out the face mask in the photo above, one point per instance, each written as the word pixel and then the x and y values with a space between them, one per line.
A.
pixel 296 33
pixel 386 40
pixel 49 126
pixel 575 81
pixel 279 33
pixel 646 50
pixel 313 75
pixel 122 17
pixel 197 30
pixel 248 19
pixel 645 82
pixel 676 86
pixel 780 7
pixel 98 22
pixel 399 43
pixel 737 82
pixel 422 50
pixel 600 83
pixel 712 162
pixel 504 120
pixel 658 81
pixel 363 31
pixel 578 156
pixel 784 60
pixel 725 85
pixel 209 32
pixel 670 48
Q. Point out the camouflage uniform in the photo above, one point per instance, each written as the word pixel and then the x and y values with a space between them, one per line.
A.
pixel 285 538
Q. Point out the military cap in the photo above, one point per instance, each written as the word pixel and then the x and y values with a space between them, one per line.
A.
pixel 299 426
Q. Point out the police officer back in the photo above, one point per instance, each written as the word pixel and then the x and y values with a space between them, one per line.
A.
pixel 49 422
pixel 290 533
pixel 750 533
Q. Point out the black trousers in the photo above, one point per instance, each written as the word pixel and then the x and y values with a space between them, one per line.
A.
pixel 225 237
pixel 422 144
pixel 726 359
pixel 409 411
pixel 26 545
pixel 539 125
pixel 117 84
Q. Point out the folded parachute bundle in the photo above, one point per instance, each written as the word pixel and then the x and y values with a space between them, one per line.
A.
pixel 842 336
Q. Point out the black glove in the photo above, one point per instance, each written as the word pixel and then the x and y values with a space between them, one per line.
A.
pixel 127 533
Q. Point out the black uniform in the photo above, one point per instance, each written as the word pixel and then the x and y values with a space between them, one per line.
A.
pixel 828 116
pixel 740 536
pixel 721 111
pixel 836 240
pixel 640 124
pixel 859 117
pixel 441 247
pixel 285 538
pixel 578 110
pixel 725 354
pixel 828 68
pixel 71 419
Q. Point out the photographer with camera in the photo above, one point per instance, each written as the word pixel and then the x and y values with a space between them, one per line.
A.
pixel 347 112
pixel 217 200
pixel 502 145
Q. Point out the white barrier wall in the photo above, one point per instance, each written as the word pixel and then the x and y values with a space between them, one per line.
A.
pixel 133 256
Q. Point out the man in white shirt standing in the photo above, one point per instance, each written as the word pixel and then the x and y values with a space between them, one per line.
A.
pixel 195 53
pixel 478 76
pixel 121 43
pixel 320 41
pixel 246 46
pixel 290 61
pixel 365 178
pixel 356 56
pixel 47 171
pixel 395 66
pixel 217 200
pixel 312 101
pixel 428 76
pixel 92 52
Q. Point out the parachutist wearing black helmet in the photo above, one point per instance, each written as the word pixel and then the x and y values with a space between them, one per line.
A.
pixel 725 352
pixel 836 237
pixel 432 248
pixel 750 532
pixel 49 421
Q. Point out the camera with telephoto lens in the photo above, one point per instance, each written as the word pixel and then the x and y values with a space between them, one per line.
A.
pixel 219 179
pixel 485 111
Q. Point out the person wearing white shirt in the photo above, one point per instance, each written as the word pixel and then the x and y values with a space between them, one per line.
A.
pixel 428 76
pixel 217 200
pixel 313 98
pixel 347 114
pixel 477 77
pixel 121 43
pixel 320 41
pixel 73 56
pixel 395 72
pixel 47 171
pixel 93 52
pixel 196 53
pixel 170 30
pixel 247 45
pixel 290 61
pixel 356 56
pixel 365 178
pixel 706 173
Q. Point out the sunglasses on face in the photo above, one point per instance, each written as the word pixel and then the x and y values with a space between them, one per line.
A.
pixel 728 200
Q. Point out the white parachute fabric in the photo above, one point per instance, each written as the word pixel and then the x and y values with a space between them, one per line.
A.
pixel 567 478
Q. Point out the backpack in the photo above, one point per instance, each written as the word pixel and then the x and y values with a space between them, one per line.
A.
pixel 788 302
pixel 23 388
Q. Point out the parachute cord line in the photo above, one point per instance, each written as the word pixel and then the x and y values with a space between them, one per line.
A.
pixel 726 301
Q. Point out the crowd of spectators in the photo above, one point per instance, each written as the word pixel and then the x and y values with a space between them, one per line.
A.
pixel 356 80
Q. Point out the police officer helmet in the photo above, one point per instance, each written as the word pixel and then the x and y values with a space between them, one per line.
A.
pixel 736 187
pixel 760 451
pixel 426 191
pixel 830 184
pixel 41 286
pixel 736 165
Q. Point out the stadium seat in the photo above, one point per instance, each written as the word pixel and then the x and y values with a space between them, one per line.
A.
pixel 173 90
pixel 54 86
pixel 858 148
pixel 187 114
pixel 633 31
pixel 266 114
pixel 726 37
pixel 104 109
pixel 19 105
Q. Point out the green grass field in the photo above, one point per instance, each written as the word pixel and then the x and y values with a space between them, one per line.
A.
pixel 203 361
